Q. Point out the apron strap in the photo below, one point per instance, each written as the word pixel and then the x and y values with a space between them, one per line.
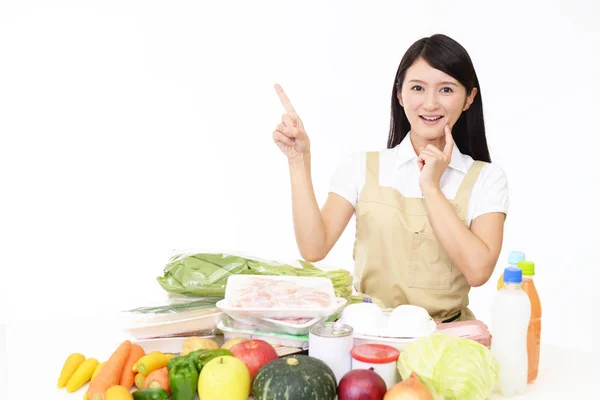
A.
pixel 464 191
pixel 372 178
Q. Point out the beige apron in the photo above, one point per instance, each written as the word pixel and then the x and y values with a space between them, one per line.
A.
pixel 398 258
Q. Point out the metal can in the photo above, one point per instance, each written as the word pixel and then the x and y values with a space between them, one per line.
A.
pixel 332 343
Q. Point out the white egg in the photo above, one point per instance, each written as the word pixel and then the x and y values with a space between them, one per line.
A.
pixel 409 321
pixel 364 318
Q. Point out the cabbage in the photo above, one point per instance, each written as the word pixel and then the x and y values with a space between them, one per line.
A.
pixel 423 354
pixel 451 367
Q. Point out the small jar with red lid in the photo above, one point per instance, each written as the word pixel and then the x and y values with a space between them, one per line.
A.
pixel 382 358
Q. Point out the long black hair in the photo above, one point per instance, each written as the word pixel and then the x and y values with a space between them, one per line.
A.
pixel 448 56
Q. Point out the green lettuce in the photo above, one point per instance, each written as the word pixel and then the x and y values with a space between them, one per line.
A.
pixel 451 367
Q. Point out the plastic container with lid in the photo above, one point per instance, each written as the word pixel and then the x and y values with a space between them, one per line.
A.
pixel 382 358
pixel 275 291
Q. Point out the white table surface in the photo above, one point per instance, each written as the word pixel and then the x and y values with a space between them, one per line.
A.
pixel 38 349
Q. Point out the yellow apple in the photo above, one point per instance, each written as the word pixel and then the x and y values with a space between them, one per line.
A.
pixel 232 342
pixel 224 378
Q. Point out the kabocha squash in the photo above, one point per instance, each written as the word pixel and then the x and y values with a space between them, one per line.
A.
pixel 296 377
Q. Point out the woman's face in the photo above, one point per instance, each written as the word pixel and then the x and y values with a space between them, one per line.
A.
pixel 431 99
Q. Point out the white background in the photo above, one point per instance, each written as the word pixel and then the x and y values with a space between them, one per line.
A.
pixel 130 129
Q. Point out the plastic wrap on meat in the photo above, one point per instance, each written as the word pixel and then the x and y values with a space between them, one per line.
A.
pixel 255 292
pixel 474 330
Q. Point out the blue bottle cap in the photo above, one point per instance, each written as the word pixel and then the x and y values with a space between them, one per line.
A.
pixel 513 275
pixel 515 256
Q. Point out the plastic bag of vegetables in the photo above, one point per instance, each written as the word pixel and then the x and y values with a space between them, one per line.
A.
pixel 205 274
pixel 451 367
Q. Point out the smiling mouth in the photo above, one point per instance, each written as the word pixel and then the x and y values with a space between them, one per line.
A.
pixel 434 118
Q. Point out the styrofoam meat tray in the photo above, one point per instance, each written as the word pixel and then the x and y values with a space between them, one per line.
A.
pixel 169 328
pixel 275 325
pixel 297 341
pixel 324 312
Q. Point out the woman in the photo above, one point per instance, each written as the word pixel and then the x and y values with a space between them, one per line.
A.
pixel 430 208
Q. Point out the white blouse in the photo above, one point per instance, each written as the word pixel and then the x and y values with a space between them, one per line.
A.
pixel 398 169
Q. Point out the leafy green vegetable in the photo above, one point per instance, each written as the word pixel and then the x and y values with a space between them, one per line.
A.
pixel 206 274
pixel 467 370
pixel 451 367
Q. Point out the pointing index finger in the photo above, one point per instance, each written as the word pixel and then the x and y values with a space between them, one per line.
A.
pixel 287 105
pixel 449 141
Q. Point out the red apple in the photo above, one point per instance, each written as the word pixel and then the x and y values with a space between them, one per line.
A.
pixel 254 353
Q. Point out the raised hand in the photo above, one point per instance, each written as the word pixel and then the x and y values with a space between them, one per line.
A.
pixel 289 135
pixel 433 162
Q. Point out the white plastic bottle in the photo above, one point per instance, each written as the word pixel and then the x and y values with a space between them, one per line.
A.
pixel 511 310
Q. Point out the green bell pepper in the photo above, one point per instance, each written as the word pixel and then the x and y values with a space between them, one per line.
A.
pixel 201 357
pixel 183 379
pixel 175 360
pixel 150 394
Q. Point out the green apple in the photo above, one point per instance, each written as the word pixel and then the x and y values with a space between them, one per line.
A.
pixel 224 378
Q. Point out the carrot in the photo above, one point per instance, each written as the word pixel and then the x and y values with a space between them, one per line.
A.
pixel 128 375
pixel 158 379
pixel 98 368
pixel 110 374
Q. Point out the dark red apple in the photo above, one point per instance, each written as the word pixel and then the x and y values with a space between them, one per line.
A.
pixel 254 353
pixel 361 384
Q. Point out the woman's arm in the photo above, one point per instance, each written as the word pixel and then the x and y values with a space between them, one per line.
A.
pixel 475 251
pixel 316 230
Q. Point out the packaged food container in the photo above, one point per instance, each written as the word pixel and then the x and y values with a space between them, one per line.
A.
pixel 290 326
pixel 232 330
pixel 281 312
pixel 382 358
pixel 170 317
pixel 292 292
pixel 370 321
pixel 474 330
pixel 332 342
